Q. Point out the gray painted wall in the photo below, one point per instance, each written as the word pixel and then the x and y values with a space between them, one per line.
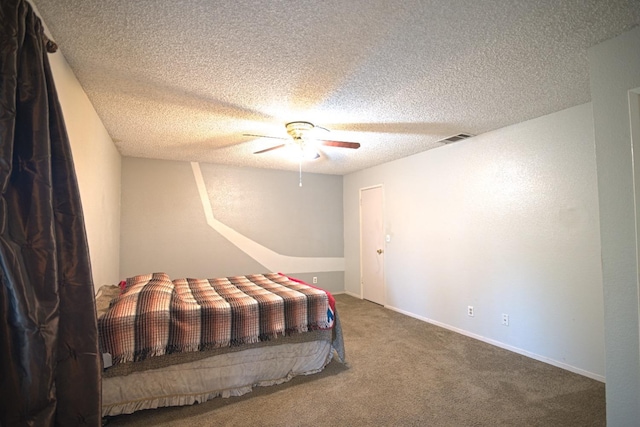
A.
pixel 615 69
pixel 506 222
pixel 270 207
pixel 164 226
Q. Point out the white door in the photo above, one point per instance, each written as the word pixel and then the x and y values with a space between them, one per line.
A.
pixel 372 244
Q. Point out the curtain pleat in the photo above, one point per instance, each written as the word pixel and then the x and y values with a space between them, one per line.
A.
pixel 50 369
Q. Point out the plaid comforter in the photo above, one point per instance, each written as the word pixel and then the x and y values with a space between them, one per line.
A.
pixel 154 315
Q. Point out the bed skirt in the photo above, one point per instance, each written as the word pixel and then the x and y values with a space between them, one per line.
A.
pixel 224 375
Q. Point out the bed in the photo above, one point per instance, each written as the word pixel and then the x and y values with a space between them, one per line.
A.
pixel 177 342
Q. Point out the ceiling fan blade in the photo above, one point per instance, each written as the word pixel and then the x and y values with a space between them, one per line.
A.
pixel 262 136
pixel 341 144
pixel 270 148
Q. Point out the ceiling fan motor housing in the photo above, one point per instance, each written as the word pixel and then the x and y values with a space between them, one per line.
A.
pixel 298 129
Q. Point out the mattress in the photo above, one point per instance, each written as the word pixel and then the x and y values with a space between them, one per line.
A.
pixel 224 375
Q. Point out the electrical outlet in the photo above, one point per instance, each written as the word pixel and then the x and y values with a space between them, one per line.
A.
pixel 470 310
pixel 315 279
pixel 505 319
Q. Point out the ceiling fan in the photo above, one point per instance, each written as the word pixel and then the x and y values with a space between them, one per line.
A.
pixel 299 132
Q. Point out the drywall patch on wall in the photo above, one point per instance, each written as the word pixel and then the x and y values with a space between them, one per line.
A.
pixel 265 256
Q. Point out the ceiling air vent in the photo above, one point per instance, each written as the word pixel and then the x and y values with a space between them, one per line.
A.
pixel 455 138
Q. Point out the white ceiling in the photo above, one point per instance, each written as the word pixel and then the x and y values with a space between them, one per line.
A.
pixel 185 79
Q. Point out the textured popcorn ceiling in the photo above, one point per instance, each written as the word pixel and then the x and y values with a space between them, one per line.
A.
pixel 185 79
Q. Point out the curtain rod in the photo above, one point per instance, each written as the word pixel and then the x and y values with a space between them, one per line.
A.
pixel 52 47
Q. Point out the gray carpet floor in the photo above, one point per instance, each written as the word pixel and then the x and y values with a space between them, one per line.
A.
pixel 401 371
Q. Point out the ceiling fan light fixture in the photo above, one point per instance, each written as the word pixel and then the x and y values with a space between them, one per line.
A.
pixel 310 153
pixel 301 152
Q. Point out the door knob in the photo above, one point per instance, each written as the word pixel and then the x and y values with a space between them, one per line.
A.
pixel 379 251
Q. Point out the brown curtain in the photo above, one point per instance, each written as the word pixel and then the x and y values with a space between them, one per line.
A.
pixel 49 361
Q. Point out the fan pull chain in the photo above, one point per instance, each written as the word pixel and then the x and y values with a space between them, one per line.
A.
pixel 300 165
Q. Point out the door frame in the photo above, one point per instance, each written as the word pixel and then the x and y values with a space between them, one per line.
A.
pixel 384 280
pixel 634 119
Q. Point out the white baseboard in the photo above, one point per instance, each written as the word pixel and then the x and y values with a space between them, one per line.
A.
pixel 517 350
pixel 352 294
